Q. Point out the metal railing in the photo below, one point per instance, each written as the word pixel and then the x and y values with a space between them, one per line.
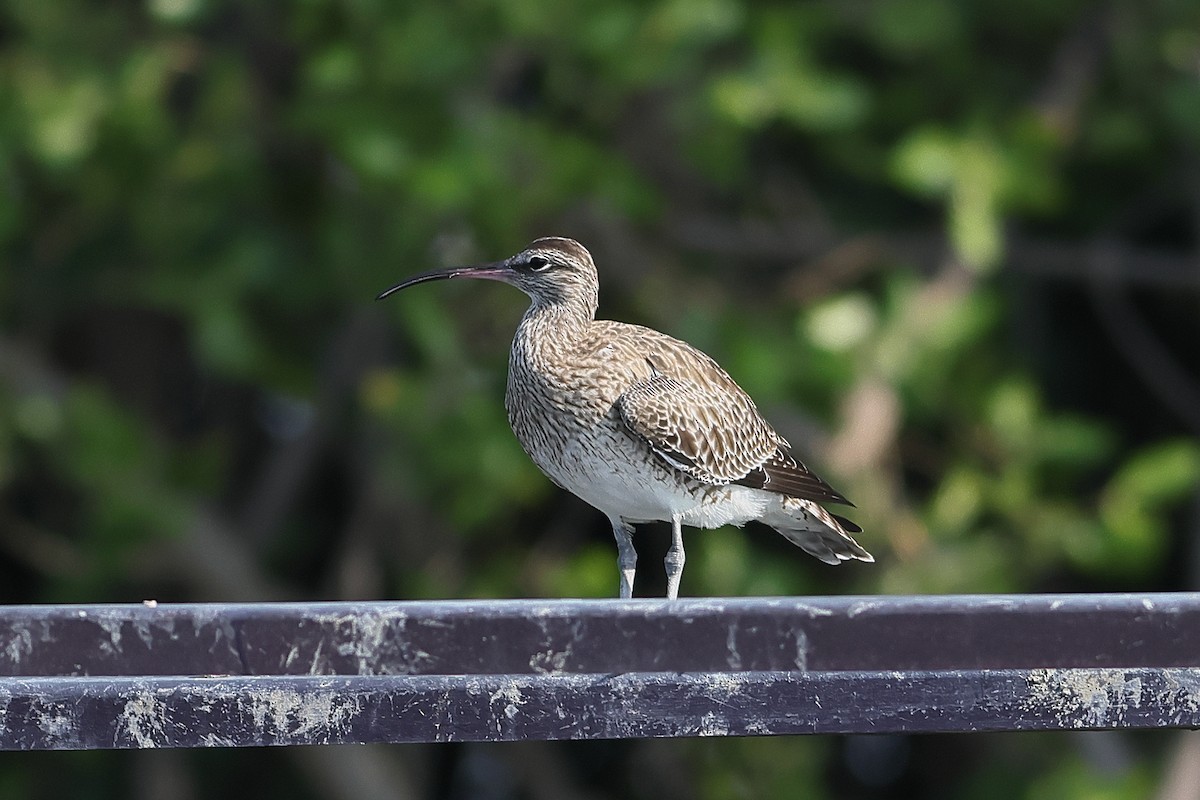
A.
pixel 127 676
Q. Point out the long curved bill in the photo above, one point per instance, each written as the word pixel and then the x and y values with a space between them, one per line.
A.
pixel 498 271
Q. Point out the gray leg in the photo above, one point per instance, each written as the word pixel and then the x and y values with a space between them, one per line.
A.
pixel 675 558
pixel 626 555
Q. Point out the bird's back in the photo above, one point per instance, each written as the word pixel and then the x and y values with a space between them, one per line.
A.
pixel 587 374
pixel 670 398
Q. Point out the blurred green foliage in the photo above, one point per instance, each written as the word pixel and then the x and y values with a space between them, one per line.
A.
pixel 896 223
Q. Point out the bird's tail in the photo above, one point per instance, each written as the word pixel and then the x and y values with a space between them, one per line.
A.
pixel 816 531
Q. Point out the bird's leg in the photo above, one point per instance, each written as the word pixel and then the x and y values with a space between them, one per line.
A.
pixel 626 555
pixel 675 558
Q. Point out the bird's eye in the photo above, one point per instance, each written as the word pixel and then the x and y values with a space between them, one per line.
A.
pixel 537 264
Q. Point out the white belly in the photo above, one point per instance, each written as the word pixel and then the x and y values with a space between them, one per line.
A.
pixel 620 477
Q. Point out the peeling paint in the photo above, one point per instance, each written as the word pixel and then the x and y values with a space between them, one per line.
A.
pixel 862 608
pixel 111 627
pixel 19 646
pixel 724 685
pixel 814 611
pixel 1181 692
pixel 512 698
pixel 1079 698
pixel 143 719
pixel 58 723
pixel 801 659
pixel 555 660
pixel 542 611
pixel 293 716
pixel 317 666
pixel 213 740
pixel 692 604
pixel 732 657
pixel 373 639
pixel 712 725
pixel 147 631
pixel 549 662
pixel 758 728
pixel 367 633
pixel 293 654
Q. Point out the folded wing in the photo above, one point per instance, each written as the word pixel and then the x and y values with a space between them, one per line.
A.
pixel 708 428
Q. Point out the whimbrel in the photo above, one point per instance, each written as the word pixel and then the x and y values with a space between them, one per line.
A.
pixel 642 426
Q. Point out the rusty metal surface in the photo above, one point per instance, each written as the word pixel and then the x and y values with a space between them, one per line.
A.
pixel 249 674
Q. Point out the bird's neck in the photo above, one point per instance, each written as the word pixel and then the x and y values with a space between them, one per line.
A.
pixel 552 325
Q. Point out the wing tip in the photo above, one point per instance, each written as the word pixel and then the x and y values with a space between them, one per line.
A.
pixel 848 525
pixel 793 480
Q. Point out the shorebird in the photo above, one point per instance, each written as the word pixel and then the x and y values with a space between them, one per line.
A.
pixel 642 426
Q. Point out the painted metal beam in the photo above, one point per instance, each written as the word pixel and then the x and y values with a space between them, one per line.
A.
pixel 257 674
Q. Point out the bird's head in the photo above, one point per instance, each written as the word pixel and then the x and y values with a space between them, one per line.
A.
pixel 553 271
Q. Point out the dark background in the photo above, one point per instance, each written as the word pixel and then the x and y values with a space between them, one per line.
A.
pixel 950 248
